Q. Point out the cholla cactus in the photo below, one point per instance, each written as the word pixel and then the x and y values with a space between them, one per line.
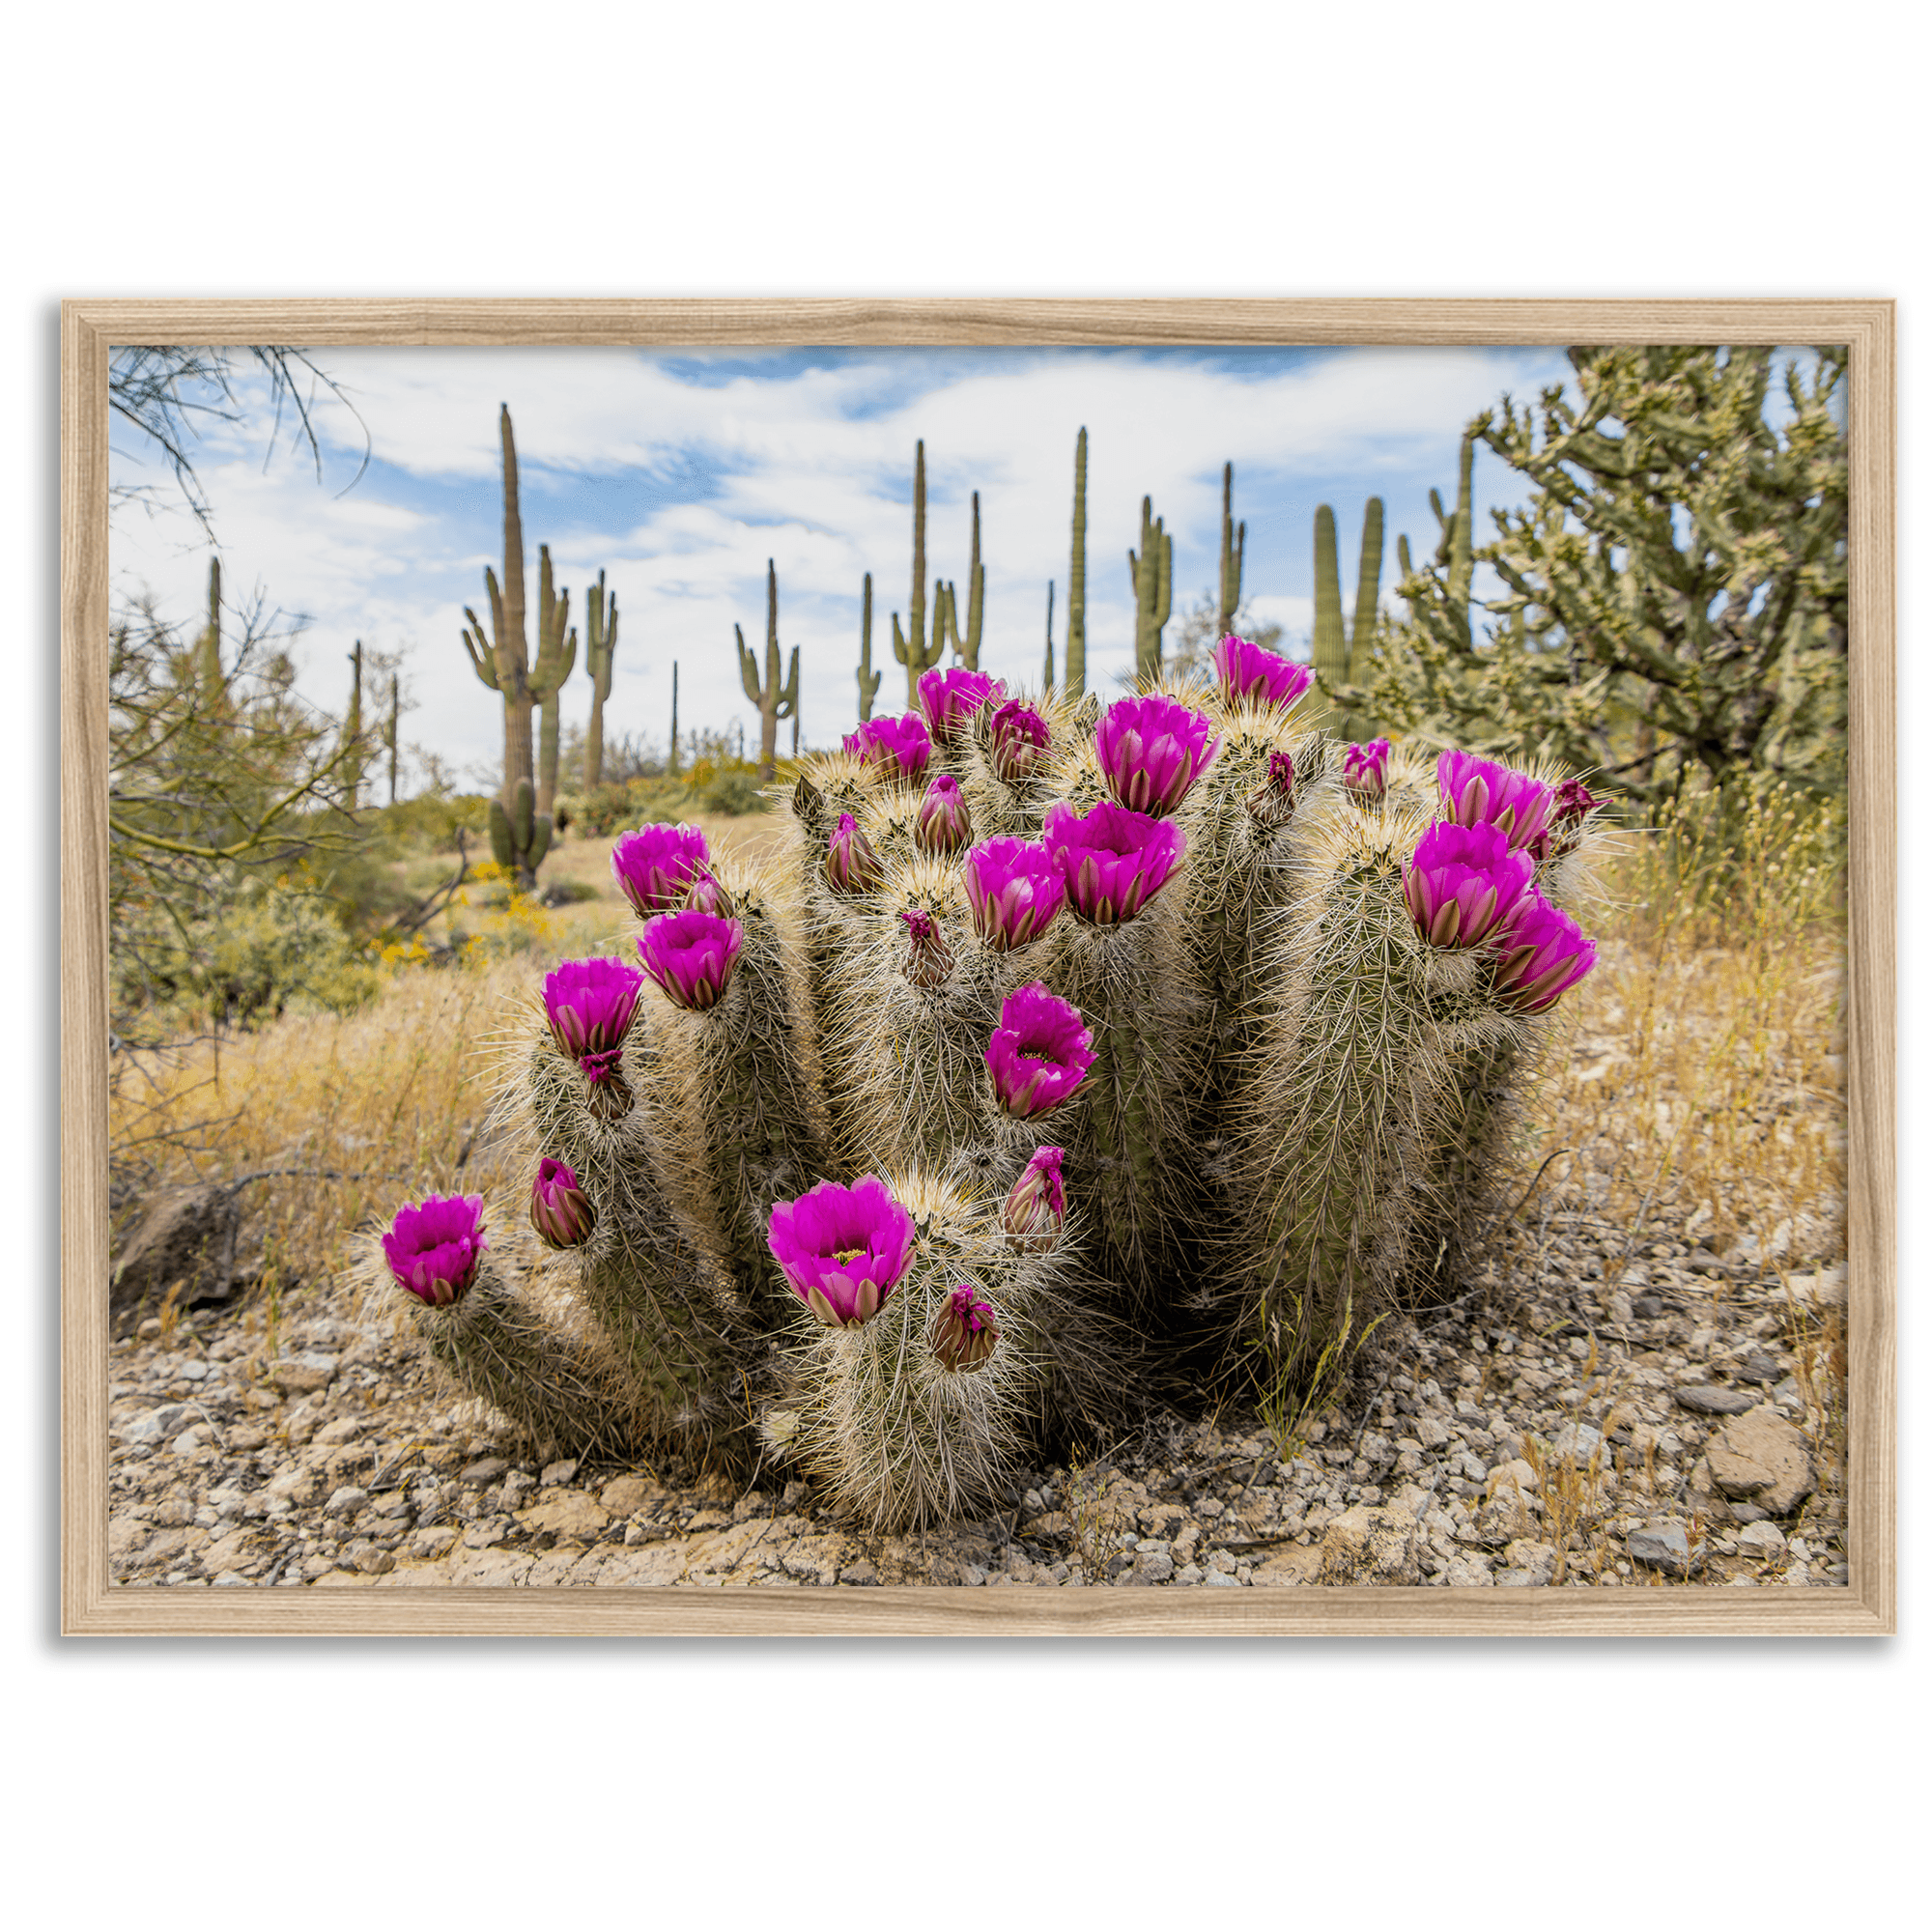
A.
pixel 1063 1054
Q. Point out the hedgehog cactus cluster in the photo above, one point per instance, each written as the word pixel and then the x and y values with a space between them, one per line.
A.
pixel 1067 1057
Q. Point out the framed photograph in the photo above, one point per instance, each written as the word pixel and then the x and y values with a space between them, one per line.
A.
pixel 1024 967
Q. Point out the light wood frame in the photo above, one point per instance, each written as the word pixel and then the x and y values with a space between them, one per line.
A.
pixel 91 1605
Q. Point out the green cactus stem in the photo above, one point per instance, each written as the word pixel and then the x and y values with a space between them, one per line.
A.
pixel 774 700
pixel 1046 673
pixel 600 648
pixel 1233 555
pixel 672 767
pixel 390 739
pixel 556 657
pixel 209 674
pixel 868 678
pixel 1076 579
pixel 1368 599
pixel 1331 637
pixel 946 611
pixel 1150 573
pixel 910 646
pixel 352 729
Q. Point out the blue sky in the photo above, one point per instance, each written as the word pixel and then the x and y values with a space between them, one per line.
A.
pixel 679 475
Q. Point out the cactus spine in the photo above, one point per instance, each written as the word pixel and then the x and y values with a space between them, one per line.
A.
pixel 1234 555
pixel 1151 575
pixel 1076 579
pixel 868 678
pixel 774 700
pixel 945 610
pixel 910 648
pixel 500 659
pixel 1046 673
pixel 600 648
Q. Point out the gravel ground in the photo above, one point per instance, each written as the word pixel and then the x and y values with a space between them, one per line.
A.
pixel 1596 1414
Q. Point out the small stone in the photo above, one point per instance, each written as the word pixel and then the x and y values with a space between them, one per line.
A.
pixel 1761 1457
pixel 754 1503
pixel 1367 1545
pixel 1749 1513
pixel 1761 1539
pixel 626 1495
pixel 556 1474
pixel 1704 1400
pixel 485 1470
pixel 566 1514
pixel 1647 1308
pixel 1576 1443
pixel 1664 1545
pixel 345 1500
pixel 1153 1566
pixel 1214 1580
pixel 1529 1564
pixel 863 1573
pixel 1758 1367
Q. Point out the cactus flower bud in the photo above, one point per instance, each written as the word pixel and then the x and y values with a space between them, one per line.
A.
pixel 560 1211
pixel 589 1004
pixel 1020 741
pixel 1151 749
pixel 692 956
pixel 1014 889
pixel 1272 802
pixel 1114 861
pixel 902 746
pixel 965 1333
pixel 1252 672
pixel 928 959
pixel 654 865
pixel 1365 769
pixel 851 865
pixel 1542 955
pixel 706 894
pixel 1478 792
pixel 842 1250
pixel 1463 882
pixel 1040 1052
pixel 944 823
pixel 433 1247
pixel 1575 803
pixel 949 700
pixel 1035 1210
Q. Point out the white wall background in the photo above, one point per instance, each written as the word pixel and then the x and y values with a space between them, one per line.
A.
pixel 1646 149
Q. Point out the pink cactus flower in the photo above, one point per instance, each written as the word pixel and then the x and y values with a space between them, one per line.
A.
pixel 1542 955
pixel 1463 882
pixel 1014 889
pixel 692 956
pixel 851 865
pixel 1035 1211
pixel 1040 1053
pixel 1151 750
pixel 928 959
pixel 1478 792
pixel 560 1211
pixel 965 1334
pixel 1020 741
pixel 951 698
pixel 1575 803
pixel 902 745
pixel 589 1004
pixel 655 865
pixel 842 1249
pixel 944 823
pixel 1365 769
pixel 1114 861
pixel 434 1245
pixel 1252 672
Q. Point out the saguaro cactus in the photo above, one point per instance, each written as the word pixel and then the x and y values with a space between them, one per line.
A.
pixel 945 610
pixel 207 671
pixel 774 700
pixel 910 646
pixel 556 655
pixel 1076 579
pixel 673 765
pixel 1046 675
pixel 1455 553
pixel 1151 575
pixel 352 727
pixel 500 658
pixel 600 646
pixel 1331 637
pixel 1368 599
pixel 1234 555
pixel 868 678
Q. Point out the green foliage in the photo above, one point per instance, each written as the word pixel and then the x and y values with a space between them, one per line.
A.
pixel 1675 591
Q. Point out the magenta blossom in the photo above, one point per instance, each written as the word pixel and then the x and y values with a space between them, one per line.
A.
pixel 1151 749
pixel 951 698
pixel 1248 671
pixel 560 1211
pixel 1035 1210
pixel 928 959
pixel 1575 803
pixel 1014 889
pixel 1040 1053
pixel 1114 860
pixel 654 865
pixel 433 1247
pixel 1463 882
pixel 842 1249
pixel 900 744
pixel 589 1004
pixel 966 1333
pixel 1365 769
pixel 692 954
pixel 1542 955
pixel 851 865
pixel 1477 792
pixel 944 822
pixel 1020 741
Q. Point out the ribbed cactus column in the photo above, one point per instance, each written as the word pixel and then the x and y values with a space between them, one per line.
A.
pixel 946 615
pixel 774 700
pixel 1046 673
pixel 909 646
pixel 556 657
pixel 1234 555
pixel 1150 573
pixel 1076 579
pixel 1367 597
pixel 868 678
pixel 1330 654
pixel 600 649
